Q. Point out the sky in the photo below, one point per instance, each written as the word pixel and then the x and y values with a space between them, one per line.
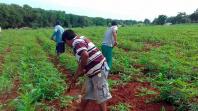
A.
pixel 114 9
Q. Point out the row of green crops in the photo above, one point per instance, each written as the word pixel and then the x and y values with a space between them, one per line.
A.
pixel 48 45
pixel 39 80
pixel 174 62
pixel 8 67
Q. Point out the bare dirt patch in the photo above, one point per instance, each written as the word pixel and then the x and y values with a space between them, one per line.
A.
pixel 5 97
pixel 8 49
pixel 1 62
pixel 150 45
pixel 126 49
pixel 114 77
pixel 2 55
pixel 128 94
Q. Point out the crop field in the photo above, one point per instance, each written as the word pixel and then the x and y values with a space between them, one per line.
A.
pixel 155 68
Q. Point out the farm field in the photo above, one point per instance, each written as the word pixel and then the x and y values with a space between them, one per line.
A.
pixel 155 68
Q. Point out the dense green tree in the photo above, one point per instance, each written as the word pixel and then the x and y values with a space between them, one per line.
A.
pixel 182 18
pixel 100 21
pixel 147 21
pixel 15 16
pixel 194 16
pixel 172 20
pixel 161 20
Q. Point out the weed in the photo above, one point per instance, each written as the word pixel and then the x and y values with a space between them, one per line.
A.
pixel 121 107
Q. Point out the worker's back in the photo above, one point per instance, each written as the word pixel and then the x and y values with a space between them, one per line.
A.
pixel 59 31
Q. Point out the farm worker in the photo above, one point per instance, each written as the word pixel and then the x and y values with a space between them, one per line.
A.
pixel 110 41
pixel 92 64
pixel 57 37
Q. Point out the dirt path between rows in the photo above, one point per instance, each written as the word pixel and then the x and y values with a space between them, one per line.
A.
pixel 2 55
pixel 75 91
pixel 1 63
pixel 151 45
pixel 136 95
pixel 5 97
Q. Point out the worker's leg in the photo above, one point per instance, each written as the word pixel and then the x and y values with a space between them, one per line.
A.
pixel 101 89
pixel 107 52
pixel 88 96
pixel 57 50
pixel 83 105
pixel 103 106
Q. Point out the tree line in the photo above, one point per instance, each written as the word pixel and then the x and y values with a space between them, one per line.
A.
pixel 15 16
pixel 180 18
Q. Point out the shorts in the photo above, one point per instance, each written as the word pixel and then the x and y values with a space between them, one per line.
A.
pixel 60 47
pixel 97 87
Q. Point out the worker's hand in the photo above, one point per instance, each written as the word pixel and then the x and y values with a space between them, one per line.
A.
pixel 74 79
pixel 115 43
pixel 72 84
pixel 83 71
pixel 80 71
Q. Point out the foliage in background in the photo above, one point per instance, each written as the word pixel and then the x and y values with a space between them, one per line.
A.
pixel 15 16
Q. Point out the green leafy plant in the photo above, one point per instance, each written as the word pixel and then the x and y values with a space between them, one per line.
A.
pixel 145 91
pixel 163 109
pixel 66 101
pixel 121 107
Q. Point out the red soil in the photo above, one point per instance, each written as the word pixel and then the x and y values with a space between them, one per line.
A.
pixel 5 97
pixel 149 45
pixel 138 66
pixel 114 77
pixel 121 94
pixel 8 49
pixel 60 67
pixel 1 62
pixel 126 49
pixel 2 57
pixel 127 94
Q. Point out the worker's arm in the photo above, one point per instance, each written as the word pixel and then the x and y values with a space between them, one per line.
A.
pixel 81 65
pixel 115 38
pixel 54 33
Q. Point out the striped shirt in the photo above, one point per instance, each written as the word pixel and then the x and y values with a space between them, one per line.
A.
pixel 95 60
